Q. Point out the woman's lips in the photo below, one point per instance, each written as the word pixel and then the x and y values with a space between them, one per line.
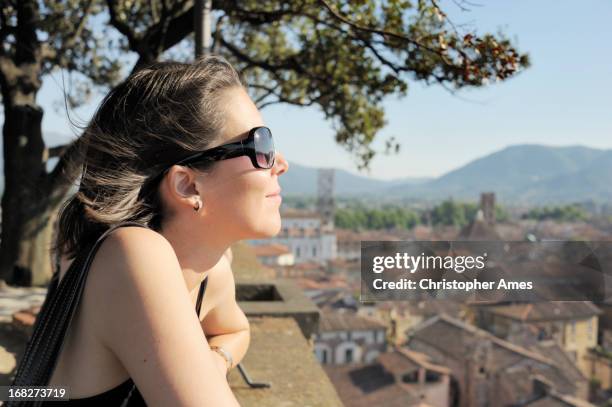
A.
pixel 275 196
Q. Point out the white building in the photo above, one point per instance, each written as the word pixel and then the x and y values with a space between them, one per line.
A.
pixel 302 232
pixel 345 337
pixel 274 255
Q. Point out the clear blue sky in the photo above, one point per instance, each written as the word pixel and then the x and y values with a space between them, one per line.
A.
pixel 563 99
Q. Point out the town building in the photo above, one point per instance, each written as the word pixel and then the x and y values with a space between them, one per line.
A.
pixel 573 324
pixel 306 237
pixel 345 337
pixel 399 378
pixel 274 255
pixel 487 370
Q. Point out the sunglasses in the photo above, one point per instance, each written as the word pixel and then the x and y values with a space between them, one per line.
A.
pixel 258 146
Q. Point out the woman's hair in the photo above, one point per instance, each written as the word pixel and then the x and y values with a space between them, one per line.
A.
pixel 157 116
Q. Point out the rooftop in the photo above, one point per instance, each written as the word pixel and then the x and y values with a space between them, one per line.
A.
pixel 367 385
pixel 456 338
pixel 402 360
pixel 479 229
pixel 545 311
pixel 333 321
pixel 347 235
pixel 559 400
pixel 299 214
pixel 517 364
pixel 273 249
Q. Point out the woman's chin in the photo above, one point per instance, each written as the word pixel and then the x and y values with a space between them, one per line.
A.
pixel 268 231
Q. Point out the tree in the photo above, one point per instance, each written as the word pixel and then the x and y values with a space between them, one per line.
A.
pixel 342 56
pixel 35 38
pixel 449 213
pixel 567 213
pixel 388 217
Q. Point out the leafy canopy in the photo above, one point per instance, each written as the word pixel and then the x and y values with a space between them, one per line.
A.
pixel 342 56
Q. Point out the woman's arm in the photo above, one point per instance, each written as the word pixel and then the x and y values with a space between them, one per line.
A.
pixel 147 320
pixel 225 325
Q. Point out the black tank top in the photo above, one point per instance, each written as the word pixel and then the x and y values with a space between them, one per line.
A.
pixel 126 394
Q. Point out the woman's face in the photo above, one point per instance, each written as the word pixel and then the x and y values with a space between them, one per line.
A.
pixel 238 198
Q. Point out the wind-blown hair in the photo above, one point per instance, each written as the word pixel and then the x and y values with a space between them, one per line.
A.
pixel 155 117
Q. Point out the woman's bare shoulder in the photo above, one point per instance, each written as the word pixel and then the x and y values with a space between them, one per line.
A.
pixel 133 250
pixel 146 318
pixel 124 243
pixel 133 261
pixel 136 238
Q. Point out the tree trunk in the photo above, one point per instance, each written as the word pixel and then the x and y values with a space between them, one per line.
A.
pixel 31 195
pixel 34 266
pixel 27 220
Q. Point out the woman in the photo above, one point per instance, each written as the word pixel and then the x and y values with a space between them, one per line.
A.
pixel 181 149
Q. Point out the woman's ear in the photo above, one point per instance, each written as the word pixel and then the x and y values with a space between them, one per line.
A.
pixel 181 185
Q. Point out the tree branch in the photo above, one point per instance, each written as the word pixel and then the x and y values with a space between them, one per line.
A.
pixel 7 30
pixel 280 99
pixel 79 29
pixel 383 33
pixel 67 168
pixel 259 17
pixel 57 150
pixel 121 26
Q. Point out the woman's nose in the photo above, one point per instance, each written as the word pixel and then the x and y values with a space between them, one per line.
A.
pixel 280 164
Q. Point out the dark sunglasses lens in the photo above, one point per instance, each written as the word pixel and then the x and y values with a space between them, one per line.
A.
pixel 264 147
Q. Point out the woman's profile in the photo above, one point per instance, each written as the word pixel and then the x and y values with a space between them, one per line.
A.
pixel 181 149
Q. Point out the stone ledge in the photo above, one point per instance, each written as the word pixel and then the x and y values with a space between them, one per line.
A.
pixel 280 355
pixel 286 300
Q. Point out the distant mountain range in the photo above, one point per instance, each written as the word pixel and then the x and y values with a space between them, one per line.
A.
pixel 521 174
pixel 302 180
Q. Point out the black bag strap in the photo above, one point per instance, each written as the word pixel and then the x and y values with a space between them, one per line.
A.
pixel 201 295
pixel 53 320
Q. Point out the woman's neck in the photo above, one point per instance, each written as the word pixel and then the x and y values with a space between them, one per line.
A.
pixel 196 253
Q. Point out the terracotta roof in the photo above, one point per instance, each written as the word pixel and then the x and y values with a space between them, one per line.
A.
pixel 422 232
pixel 425 308
pixel 273 249
pixel 307 266
pixel 518 380
pixel 311 283
pixel 546 311
pixel 299 214
pixel 367 385
pixel 347 235
pixel 479 230
pixel 402 360
pixel 346 264
pixel 456 338
pixel 333 321
pixel 559 400
pixel 516 364
pixel 552 350
pixel 563 375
